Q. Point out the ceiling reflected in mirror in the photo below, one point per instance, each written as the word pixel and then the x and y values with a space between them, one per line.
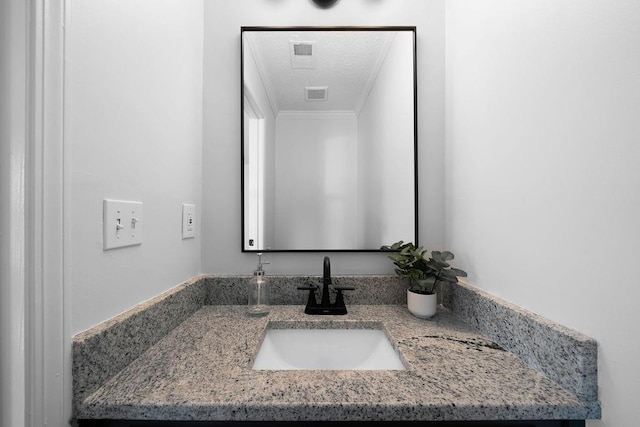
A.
pixel 344 64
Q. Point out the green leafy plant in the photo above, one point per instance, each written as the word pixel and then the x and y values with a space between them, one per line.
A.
pixel 424 271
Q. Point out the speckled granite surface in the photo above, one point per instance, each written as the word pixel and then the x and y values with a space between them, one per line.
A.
pixel 173 358
pixel 561 354
pixel 104 350
pixel 369 290
pixel 202 371
pixel 101 352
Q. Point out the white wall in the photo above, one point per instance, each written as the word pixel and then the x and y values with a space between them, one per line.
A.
pixel 133 131
pixel 221 176
pixel 386 141
pixel 543 167
pixel 316 157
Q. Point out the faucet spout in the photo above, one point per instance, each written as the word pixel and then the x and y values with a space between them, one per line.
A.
pixel 326 281
pixel 326 271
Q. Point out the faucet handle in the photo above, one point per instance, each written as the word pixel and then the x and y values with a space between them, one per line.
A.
pixel 311 301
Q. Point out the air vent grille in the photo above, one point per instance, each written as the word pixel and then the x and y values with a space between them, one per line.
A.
pixel 303 54
pixel 303 49
pixel 317 93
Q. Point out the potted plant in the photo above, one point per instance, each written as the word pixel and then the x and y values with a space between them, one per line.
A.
pixel 425 273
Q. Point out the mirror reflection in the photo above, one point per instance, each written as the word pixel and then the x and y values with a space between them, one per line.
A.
pixel 328 138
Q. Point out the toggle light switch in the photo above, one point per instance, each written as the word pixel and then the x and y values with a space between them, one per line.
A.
pixel 122 223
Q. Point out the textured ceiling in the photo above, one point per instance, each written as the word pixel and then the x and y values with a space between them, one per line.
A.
pixel 345 61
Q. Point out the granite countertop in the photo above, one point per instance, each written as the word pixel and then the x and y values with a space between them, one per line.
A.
pixel 201 370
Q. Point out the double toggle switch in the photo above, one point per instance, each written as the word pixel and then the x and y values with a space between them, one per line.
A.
pixel 122 223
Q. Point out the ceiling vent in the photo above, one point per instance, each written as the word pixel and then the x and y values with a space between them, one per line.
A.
pixel 315 93
pixel 302 54
pixel 302 49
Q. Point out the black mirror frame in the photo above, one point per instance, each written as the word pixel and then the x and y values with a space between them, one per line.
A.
pixel 415 127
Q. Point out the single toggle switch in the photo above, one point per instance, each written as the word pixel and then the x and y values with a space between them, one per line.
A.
pixel 128 220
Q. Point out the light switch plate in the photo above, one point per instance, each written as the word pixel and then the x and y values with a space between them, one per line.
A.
pixel 123 223
pixel 188 221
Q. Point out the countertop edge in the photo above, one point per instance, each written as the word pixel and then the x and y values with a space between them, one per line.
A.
pixel 349 412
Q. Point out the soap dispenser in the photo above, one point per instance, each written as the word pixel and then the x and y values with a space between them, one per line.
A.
pixel 258 291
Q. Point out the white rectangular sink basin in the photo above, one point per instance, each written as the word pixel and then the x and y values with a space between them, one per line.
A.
pixel 326 349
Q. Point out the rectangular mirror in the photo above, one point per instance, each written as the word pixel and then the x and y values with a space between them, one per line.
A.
pixel 329 141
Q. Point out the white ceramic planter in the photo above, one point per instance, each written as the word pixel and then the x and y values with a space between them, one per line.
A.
pixel 422 306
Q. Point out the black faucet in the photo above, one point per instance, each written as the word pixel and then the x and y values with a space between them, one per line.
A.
pixel 325 306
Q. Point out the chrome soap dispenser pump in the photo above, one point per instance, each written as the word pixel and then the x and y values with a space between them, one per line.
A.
pixel 258 291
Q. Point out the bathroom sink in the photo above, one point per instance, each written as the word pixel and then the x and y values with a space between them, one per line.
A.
pixel 326 349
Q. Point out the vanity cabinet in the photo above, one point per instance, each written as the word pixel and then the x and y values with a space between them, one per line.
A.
pixel 121 423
